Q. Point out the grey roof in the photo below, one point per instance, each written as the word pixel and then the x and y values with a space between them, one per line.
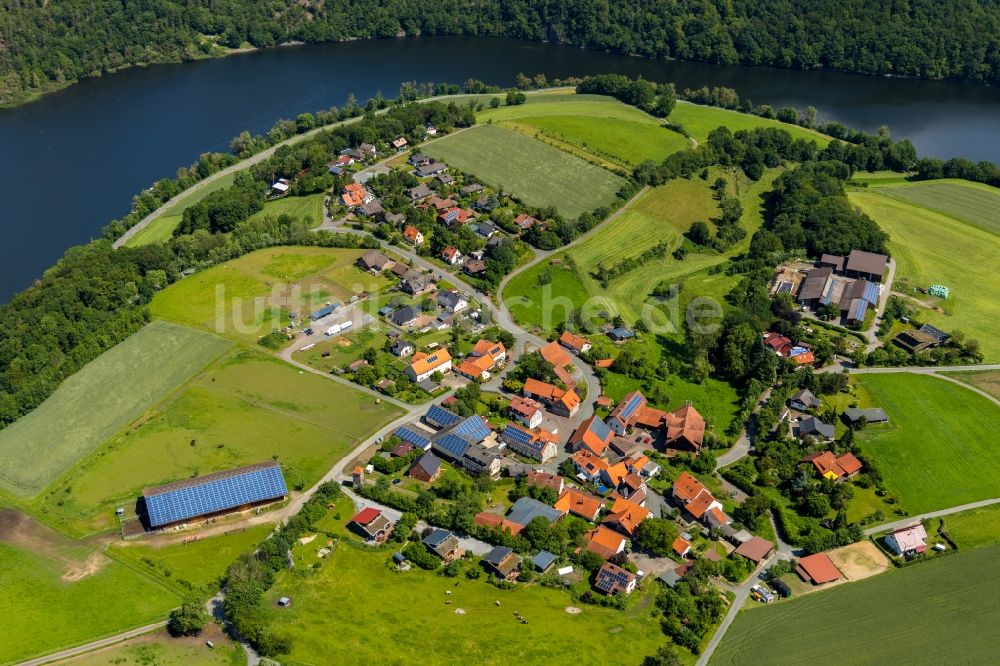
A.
pixel 835 261
pixel 404 315
pixel 400 346
pixel 374 259
pixel 621 333
pixel 497 555
pixel 936 332
pixel 421 191
pixel 480 455
pixel 543 560
pixel 866 262
pixel 815 283
pixel 428 462
pixel 872 415
pixel 449 299
pixel 527 509
pixel 431 169
pixel 806 397
pixel 670 577
pixel 811 425
pixel 472 188
pixel 486 228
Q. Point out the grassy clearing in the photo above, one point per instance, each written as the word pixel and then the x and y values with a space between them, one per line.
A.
pixel 248 297
pixel 161 649
pixel 247 408
pixel 963 200
pixel 569 104
pixel 941 447
pixel 663 213
pixel 162 228
pixel 700 120
pixel 947 604
pixel 43 612
pixel 94 403
pixel 355 609
pixel 197 565
pixel 931 248
pixel 159 230
pixel 309 207
pixel 536 172
pixel 974 528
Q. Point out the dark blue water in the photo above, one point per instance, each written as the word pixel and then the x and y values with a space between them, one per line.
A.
pixel 70 162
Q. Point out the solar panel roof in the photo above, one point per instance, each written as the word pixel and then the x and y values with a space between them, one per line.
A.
pixel 451 445
pixel 515 434
pixel 212 493
pixel 473 429
pixel 600 428
pixel 632 405
pixel 413 437
pixel 442 417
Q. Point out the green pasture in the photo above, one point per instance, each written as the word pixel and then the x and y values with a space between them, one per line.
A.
pixel 161 649
pixel 974 203
pixel 248 297
pixel 197 565
pixel 543 295
pixel 534 171
pixel 44 612
pixel 247 408
pixel 309 207
pixel 973 528
pixel 936 612
pixel 355 609
pixel 104 396
pixel 343 349
pixel 699 120
pixel 941 447
pixel 162 228
pixel 984 380
pixel 932 248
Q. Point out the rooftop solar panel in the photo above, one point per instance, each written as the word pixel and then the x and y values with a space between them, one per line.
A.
pixel 411 436
pixel 632 405
pixel 451 445
pixel 441 417
pixel 871 293
pixel 473 429
pixel 213 493
pixel 600 428
pixel 516 435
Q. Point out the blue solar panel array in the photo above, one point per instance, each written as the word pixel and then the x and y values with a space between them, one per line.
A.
pixel 473 429
pixel 441 417
pixel 513 434
pixel 858 309
pixel 871 293
pixel 253 485
pixel 600 428
pixel 632 405
pixel 411 436
pixel 451 445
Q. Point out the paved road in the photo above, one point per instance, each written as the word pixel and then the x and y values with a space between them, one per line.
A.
pixel 884 298
pixel 94 645
pixel 922 370
pixel 903 522
pixel 742 445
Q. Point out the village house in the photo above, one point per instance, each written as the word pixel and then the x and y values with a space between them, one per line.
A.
pixel 834 467
pixel 681 546
pixel 374 261
pixel 502 563
pixel 444 178
pixel 478 459
pixel 692 494
pixel 475 368
pixel 579 504
pixel 537 444
pixel 633 411
pixel 575 343
pixel 562 403
pixel 426 468
pixel 546 480
pixel 486 229
pixel 907 541
pixel 556 356
pixel 430 169
pixel 395 219
pixel 280 187
pixel 777 343
pixel 418 159
pixel 612 579
pixel 526 509
pixel 451 255
pixel 475 267
pixel 471 188
pixel 424 365
pixel 439 204
pixel 355 194
pixel 525 221
pixel 404 316
pixel 413 235
pixel 452 300
pixel 588 466
pixel 804 400
pixel 606 543
pixel 371 208
pixel 372 525
pixel 810 426
pixel 443 543
pixel 455 215
pixel 592 435
pixel 626 516
pixel 685 429
pixel 526 411
pixel 756 549
pixel 399 143
pixel 419 193
pixel 415 282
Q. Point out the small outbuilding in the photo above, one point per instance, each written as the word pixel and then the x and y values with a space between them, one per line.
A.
pixel 817 569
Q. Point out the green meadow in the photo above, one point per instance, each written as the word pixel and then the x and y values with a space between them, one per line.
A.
pixel 247 408
pixel 162 228
pixel 536 172
pixel 934 247
pixel 937 612
pixel 309 207
pixel 941 447
pixel 106 395
pixel 699 120
pixel 963 200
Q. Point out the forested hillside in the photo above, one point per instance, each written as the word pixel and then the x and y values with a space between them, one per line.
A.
pixel 45 43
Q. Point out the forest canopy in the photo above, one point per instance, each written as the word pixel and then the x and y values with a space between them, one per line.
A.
pixel 47 44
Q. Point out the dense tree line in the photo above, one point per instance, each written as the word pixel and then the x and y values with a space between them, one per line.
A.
pixel 48 44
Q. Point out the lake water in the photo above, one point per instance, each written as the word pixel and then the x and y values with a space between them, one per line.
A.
pixel 70 162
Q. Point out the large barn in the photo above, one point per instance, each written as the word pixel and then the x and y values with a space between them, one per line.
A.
pixel 213 494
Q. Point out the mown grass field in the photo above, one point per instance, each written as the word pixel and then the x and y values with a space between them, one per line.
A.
pixel 42 612
pixel 941 447
pixel 160 649
pixel 963 200
pixel 163 226
pixel 309 207
pixel 355 609
pixel 932 248
pixel 247 408
pixel 937 612
pixel 197 565
pixel 664 213
pixel 974 528
pixel 104 396
pixel 700 120
pixel 248 297
pixel 984 380
pixel 534 171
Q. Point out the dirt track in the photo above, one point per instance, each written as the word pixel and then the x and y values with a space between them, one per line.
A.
pixel 80 558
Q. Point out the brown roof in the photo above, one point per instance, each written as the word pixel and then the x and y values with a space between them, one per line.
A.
pixel 866 262
pixel 685 424
pixel 524 406
pixel 545 480
pixel 817 569
pixel 835 261
pixel 814 283
pixel 756 549
pixel 555 355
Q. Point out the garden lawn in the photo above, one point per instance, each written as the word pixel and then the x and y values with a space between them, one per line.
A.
pixel 162 228
pixel 941 447
pixel 931 613
pixel 663 213
pixel 43 613
pixel 246 409
pixel 932 248
pixel 358 610
pixel 309 207
pixel 104 396
pixel 699 120
pixel 974 528
pixel 196 565
pixel 536 172
pixel 248 297
pixel 974 203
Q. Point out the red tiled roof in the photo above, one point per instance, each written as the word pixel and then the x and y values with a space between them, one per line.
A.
pixel 685 424
pixel 366 516
pixel 818 568
pixel 680 546
pixel 573 341
pixel 579 503
pixel 756 549
pixel 555 355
